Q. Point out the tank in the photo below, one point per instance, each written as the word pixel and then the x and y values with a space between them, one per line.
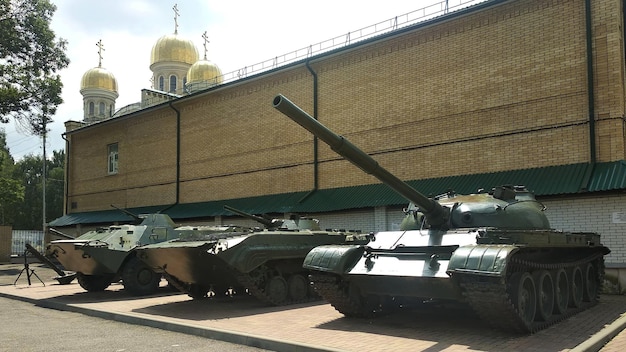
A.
pixel 108 254
pixel 494 251
pixel 264 262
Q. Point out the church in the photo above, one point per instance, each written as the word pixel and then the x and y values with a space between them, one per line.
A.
pixel 518 92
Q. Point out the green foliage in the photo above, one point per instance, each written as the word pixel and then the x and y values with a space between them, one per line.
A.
pixel 30 56
pixel 11 190
pixel 21 191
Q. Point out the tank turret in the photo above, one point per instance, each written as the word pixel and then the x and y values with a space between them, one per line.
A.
pixel 295 222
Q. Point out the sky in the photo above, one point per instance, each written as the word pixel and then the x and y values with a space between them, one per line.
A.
pixel 241 33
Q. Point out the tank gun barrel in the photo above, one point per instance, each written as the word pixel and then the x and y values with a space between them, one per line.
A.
pixel 264 221
pixel 436 214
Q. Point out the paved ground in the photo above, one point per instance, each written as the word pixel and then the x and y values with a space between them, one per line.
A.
pixel 318 327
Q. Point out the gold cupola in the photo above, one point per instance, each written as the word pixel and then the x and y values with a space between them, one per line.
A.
pixel 203 73
pixel 204 70
pixel 99 90
pixel 173 48
pixel 98 78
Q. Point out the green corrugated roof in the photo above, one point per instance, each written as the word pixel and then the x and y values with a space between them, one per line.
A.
pixel 545 181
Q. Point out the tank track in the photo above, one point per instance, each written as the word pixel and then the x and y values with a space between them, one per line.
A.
pixel 253 288
pixel 330 288
pixel 492 301
pixel 489 297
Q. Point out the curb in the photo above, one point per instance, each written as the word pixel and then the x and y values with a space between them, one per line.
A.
pixel 602 337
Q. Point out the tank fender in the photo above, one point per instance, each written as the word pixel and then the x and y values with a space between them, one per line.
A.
pixel 333 259
pixel 488 260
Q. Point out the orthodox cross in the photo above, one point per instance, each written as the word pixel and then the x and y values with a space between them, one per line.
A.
pixel 100 49
pixel 176 14
pixel 206 40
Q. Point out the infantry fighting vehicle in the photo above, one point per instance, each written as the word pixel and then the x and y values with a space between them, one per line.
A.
pixel 266 263
pixel 494 251
pixel 105 255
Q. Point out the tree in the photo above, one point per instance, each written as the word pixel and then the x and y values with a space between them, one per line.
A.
pixel 11 190
pixel 30 56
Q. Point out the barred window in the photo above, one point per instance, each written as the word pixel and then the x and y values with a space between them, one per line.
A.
pixel 113 156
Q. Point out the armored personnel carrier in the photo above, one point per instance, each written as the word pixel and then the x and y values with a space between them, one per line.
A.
pixel 105 255
pixel 266 263
pixel 493 251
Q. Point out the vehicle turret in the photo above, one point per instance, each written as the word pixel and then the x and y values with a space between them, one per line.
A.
pixel 295 222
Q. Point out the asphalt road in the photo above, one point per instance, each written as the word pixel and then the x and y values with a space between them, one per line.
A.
pixel 27 327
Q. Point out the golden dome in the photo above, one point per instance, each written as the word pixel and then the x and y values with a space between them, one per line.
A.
pixel 171 47
pixel 98 77
pixel 203 71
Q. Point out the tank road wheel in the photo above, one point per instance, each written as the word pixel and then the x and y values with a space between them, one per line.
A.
pixel 576 287
pixel 138 279
pixel 277 289
pixel 524 296
pixel 94 283
pixel 590 293
pixel 561 294
pixel 298 287
pixel 545 294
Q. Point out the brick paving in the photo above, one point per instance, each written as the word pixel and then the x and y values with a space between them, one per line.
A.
pixel 316 326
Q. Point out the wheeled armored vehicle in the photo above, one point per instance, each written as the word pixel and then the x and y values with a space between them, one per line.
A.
pixel 107 254
pixel 266 263
pixel 494 251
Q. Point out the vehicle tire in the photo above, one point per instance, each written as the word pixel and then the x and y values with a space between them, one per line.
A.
pixel 94 283
pixel 138 279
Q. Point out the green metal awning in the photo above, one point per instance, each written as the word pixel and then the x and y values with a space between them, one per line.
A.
pixel 544 181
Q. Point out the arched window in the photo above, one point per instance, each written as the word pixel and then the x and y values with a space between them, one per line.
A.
pixel 161 83
pixel 172 84
pixel 101 109
pixel 92 108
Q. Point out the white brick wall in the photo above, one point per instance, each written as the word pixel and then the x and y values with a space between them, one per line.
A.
pixel 593 214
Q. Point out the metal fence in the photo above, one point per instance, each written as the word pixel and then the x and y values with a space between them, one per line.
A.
pixel 19 238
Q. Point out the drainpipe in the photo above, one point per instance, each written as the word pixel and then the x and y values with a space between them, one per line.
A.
pixel 590 86
pixel 66 173
pixel 315 153
pixel 590 99
pixel 177 155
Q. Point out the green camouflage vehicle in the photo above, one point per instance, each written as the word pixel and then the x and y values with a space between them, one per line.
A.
pixel 493 251
pixel 266 263
pixel 105 255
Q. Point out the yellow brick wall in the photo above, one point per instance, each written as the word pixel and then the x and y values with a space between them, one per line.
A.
pixel 504 88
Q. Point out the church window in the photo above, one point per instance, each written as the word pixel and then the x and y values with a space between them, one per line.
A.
pixel 92 108
pixel 112 158
pixel 161 83
pixel 172 84
pixel 101 109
